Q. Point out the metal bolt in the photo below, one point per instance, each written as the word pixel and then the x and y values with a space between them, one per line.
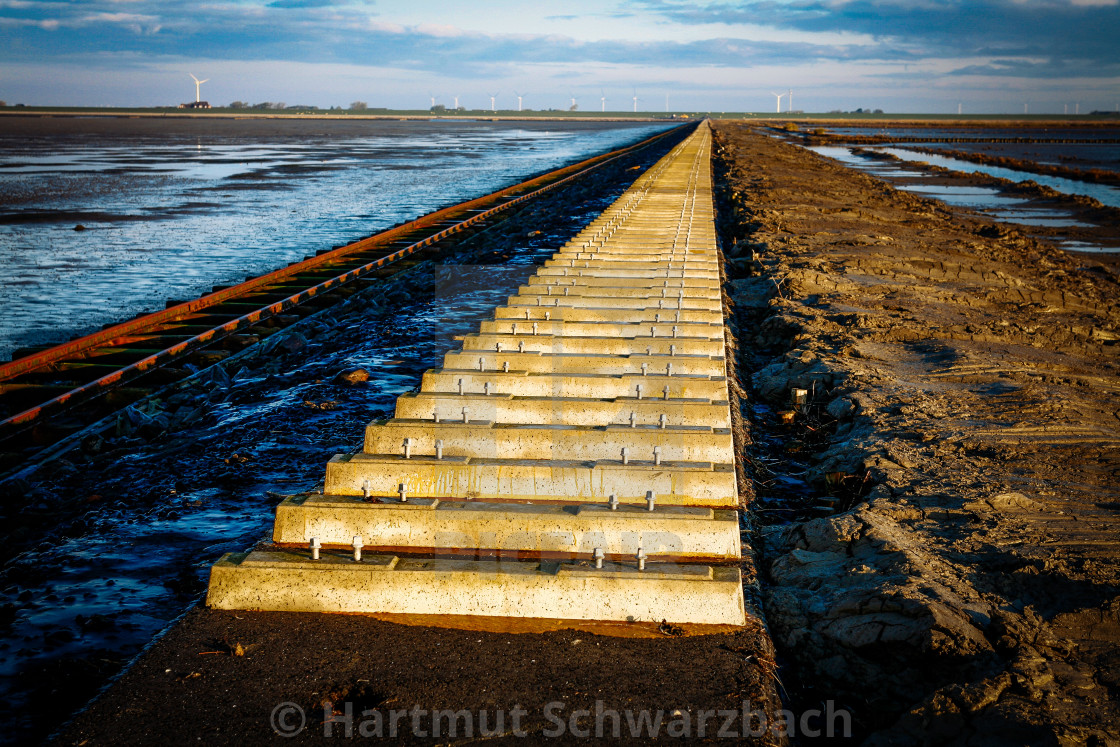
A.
pixel 665 391
pixel 465 409
pixel 638 387
pixel 656 455
pixel 657 318
pixel 407 448
pixel 672 349
pixel 505 366
pixel 664 420
pixel 650 500
pixel 642 559
pixel 521 347
pixel 481 364
pixel 538 300
pixel 612 502
pixel 486 388
pixel 625 455
pixel 435 415
pixel 498 346
pixel 527 314
pixel 513 328
pixel 678 318
pixel 439 449
pixel 661 303
pixel 403 493
pixel 675 330
pixel 566 291
pixel 653 331
pixel 644 367
pixel 649 350
pixel 547 316
pixel 460 387
pixel 534 328
pixel 315 546
pixel 358 545
pixel 633 420
pixel 365 488
pixel 549 289
pixel 599 557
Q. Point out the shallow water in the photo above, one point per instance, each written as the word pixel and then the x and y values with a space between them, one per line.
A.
pixel 100 585
pixel 168 217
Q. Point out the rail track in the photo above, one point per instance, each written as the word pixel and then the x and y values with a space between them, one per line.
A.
pixel 51 393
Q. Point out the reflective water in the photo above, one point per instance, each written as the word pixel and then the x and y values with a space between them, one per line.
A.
pixel 167 216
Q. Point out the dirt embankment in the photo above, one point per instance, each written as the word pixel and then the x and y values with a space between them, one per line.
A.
pixel 963 408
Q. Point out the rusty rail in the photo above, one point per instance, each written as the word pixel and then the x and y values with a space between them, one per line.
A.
pixel 120 333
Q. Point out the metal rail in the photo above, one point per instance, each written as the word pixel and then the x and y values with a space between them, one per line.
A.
pixel 147 325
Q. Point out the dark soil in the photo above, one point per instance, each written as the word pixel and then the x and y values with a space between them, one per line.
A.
pixel 951 566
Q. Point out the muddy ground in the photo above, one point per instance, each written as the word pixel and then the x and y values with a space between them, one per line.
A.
pixel 963 420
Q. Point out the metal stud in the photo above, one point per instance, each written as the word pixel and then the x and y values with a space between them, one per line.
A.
pixel 505 366
pixel 407 448
pixel 641 559
pixel 638 387
pixel 598 557
pixel 403 493
pixel 521 347
pixel 358 545
pixel 534 328
pixel 650 500
pixel 460 387
pixel 439 449
pixel 435 415
pixel 668 369
pixel 644 367
pixel 365 489
pixel 465 410
pixel 481 364
pixel 486 388
pixel 663 420
pixel 612 502
pixel 315 547
pixel 625 455
pixel 633 419
pixel 656 456
pixel 672 349
pixel 665 391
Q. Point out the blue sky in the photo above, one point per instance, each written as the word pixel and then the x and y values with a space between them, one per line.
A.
pixel 897 55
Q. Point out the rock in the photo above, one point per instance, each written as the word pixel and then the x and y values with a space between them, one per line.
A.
pixel 352 377
pixel 840 408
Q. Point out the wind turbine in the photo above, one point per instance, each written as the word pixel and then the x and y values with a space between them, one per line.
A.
pixel 492 108
pixel 197 88
pixel 456 103
pixel 518 95
pixel 780 96
pixel 789 102
pixel 433 98
pixel 602 100
pixel 635 102
pixel 573 98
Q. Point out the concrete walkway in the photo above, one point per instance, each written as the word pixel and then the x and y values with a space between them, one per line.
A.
pixel 574 460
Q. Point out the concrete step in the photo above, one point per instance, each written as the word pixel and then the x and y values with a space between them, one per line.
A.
pixel 537 441
pixel 567 481
pixel 536 299
pixel 595 386
pixel 551 345
pixel 480 360
pixel 290 581
pixel 701 287
pixel 533 312
pixel 427 525
pixel 583 411
pixel 560 328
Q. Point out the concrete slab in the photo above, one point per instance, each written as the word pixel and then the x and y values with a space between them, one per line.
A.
pixel 595 345
pixel 538 441
pixel 569 481
pixel 650 314
pixel 697 365
pixel 559 328
pixel 561 531
pixel 647 413
pixel 574 385
pixel 291 582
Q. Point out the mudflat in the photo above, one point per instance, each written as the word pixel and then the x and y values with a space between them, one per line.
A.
pixel 963 380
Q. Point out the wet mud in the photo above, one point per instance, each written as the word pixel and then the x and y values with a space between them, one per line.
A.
pixel 939 517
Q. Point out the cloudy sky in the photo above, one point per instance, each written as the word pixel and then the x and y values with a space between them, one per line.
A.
pixel 897 55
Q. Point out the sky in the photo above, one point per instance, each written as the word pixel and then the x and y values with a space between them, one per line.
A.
pixel 997 56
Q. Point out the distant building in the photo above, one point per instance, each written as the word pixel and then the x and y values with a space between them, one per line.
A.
pixel 195 105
